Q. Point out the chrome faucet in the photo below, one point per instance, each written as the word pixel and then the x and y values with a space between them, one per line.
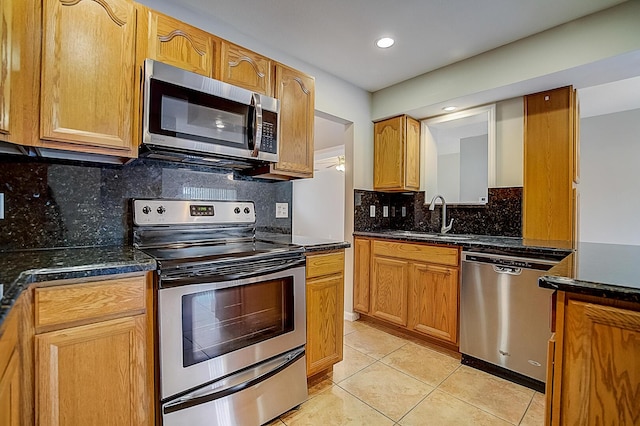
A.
pixel 444 228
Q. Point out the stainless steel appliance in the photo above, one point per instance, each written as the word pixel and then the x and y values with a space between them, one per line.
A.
pixel 191 118
pixel 230 313
pixel 505 318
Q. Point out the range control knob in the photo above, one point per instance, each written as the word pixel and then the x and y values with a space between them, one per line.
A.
pixel 161 210
pixel 247 210
pixel 146 210
pixel 236 210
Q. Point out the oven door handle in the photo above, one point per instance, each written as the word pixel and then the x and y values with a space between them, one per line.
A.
pixel 171 279
pixel 235 382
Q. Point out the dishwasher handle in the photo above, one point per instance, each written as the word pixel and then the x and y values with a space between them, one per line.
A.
pixel 507 270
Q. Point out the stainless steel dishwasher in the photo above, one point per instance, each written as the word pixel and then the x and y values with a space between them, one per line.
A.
pixel 505 318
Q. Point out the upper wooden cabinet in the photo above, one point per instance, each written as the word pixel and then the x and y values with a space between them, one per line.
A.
pixel 87 76
pixel 175 43
pixel 550 165
pixel 396 154
pixel 244 68
pixel 6 50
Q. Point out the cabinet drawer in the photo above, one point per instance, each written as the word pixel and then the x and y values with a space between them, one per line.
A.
pixel 325 264
pixel 91 301
pixel 417 252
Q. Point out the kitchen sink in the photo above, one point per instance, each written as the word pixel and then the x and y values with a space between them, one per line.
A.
pixel 416 234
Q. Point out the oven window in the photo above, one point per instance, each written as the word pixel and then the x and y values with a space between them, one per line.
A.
pixel 216 322
pixel 185 113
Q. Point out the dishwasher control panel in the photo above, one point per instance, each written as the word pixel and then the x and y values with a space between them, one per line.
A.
pixel 509 261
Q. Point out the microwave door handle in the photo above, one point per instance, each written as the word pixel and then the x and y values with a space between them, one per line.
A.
pixel 255 100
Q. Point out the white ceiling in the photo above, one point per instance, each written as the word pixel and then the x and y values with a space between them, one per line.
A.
pixel 338 36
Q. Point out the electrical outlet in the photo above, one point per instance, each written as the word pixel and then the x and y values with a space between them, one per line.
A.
pixel 1 205
pixel 385 211
pixel 372 211
pixel 282 210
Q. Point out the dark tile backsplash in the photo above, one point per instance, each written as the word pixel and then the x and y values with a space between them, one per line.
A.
pixel 51 204
pixel 501 216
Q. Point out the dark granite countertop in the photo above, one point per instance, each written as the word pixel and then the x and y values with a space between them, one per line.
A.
pixel 596 269
pixel 310 244
pixel 554 250
pixel 18 269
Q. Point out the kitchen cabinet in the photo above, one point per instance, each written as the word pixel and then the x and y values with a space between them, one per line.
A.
pixel 87 76
pixel 325 307
pixel 296 92
pixel 361 274
pixel 176 43
pixel 19 71
pixel 414 286
pixel 91 360
pixel 244 68
pixel 595 369
pixel 10 388
pixel 550 165
pixel 396 150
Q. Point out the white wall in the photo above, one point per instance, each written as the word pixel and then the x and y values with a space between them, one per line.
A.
pixel 473 173
pixel 509 142
pixel 610 178
pixel 318 205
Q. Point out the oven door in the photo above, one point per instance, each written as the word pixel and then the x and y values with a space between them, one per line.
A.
pixel 208 331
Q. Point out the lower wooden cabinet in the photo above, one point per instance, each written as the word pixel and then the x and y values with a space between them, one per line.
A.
pixel 411 285
pixel 325 307
pixel 91 364
pixel 10 388
pixel 596 368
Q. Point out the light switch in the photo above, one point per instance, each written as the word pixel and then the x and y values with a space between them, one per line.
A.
pixel 372 211
pixel 404 211
pixel 385 211
pixel 1 205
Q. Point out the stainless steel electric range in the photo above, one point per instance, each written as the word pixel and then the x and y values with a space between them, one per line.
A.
pixel 230 313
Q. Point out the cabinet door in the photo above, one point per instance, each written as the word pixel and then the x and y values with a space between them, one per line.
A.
pixel 93 374
pixel 389 285
pixel 600 366
pixel 87 75
pixel 433 295
pixel 6 28
pixel 362 270
pixel 547 212
pixel 296 92
pixel 412 155
pixel 389 154
pixel 10 393
pixel 245 68
pixel 325 307
pixel 181 45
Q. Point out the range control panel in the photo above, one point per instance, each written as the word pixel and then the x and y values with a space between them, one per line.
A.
pixel 185 212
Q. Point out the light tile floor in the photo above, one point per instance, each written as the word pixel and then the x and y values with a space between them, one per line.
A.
pixel 388 379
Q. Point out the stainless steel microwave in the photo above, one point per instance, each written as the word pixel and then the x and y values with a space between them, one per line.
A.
pixel 191 118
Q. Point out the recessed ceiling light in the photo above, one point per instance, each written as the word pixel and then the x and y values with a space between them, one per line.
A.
pixel 450 108
pixel 385 42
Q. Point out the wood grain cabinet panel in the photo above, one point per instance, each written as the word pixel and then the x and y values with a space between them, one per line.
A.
pixel 296 92
pixel 175 43
pixel 10 385
pixel 6 51
pixel 596 368
pixel 247 69
pixel 550 169
pixel 325 307
pixel 87 75
pixel 396 147
pixel 389 289
pixel 93 374
pixel 361 274
pixel 433 301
